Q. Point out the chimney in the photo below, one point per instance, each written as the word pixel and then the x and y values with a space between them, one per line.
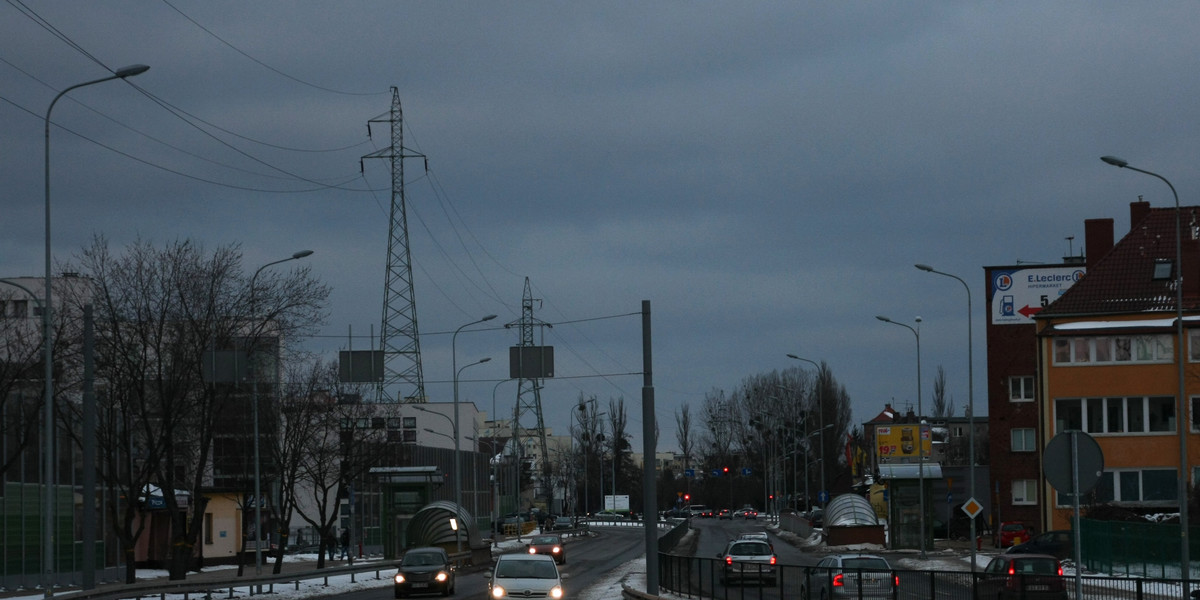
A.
pixel 1138 211
pixel 1098 239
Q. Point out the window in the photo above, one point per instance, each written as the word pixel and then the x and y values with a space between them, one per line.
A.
pixel 1118 349
pixel 208 527
pixel 1145 485
pixel 410 436
pixel 1024 491
pixel 1162 269
pixel 20 308
pixel 1155 414
pixel 1023 440
pixel 1020 388
pixel 1195 410
pixel 393 422
pixel 410 422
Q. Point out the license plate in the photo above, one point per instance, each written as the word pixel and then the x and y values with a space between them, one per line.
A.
pixel 1038 588
pixel 420 585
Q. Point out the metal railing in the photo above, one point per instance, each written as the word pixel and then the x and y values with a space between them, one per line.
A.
pixel 695 577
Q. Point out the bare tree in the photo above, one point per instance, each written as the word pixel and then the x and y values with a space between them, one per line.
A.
pixel 942 407
pixel 684 436
pixel 20 374
pixel 162 317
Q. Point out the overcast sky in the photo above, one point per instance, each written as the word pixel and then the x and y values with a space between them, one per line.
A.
pixel 766 174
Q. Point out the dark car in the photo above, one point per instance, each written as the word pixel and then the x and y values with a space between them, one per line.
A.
pixel 548 544
pixel 724 514
pixel 424 571
pixel 817 517
pixel 1058 544
pixel 1026 576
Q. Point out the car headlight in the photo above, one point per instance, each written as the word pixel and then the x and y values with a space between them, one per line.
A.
pixel 556 550
pixel 442 576
pixel 497 591
pixel 399 577
pixel 532 550
pixel 556 592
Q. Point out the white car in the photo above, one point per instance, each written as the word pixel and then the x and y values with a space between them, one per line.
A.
pixel 522 575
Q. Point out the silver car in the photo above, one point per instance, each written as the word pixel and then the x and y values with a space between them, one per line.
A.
pixel 850 576
pixel 748 560
pixel 525 576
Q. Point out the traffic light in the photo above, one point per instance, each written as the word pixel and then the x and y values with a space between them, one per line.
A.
pixel 687 497
pixel 772 496
pixel 724 469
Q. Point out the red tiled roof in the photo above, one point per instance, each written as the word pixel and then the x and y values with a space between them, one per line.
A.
pixel 1122 281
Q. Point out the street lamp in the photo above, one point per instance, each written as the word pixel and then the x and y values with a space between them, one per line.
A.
pixel 970 402
pixel 48 351
pixel 820 420
pixel 494 462
pixel 920 430
pixel 254 413
pixel 1179 349
pixel 457 452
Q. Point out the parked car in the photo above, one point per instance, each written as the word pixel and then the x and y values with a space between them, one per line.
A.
pixel 1025 576
pixel 548 544
pixel 1011 533
pixel 1058 544
pixel 521 575
pixel 816 517
pixel 748 560
pixel 724 514
pixel 851 576
pixel 424 571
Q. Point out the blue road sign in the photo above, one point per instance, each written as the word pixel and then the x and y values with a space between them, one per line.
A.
pixel 689 472
pixel 745 471
pixel 716 473
pixel 823 497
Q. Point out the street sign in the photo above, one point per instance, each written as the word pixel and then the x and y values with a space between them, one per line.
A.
pixel 716 473
pixel 972 507
pixel 949 497
pixel 689 472
pixel 823 496
pixel 1057 463
pixel 745 471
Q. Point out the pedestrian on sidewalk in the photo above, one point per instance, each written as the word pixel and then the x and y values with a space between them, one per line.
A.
pixel 345 540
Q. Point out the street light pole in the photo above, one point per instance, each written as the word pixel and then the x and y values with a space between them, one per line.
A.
pixel 970 403
pixel 457 459
pixel 820 419
pixel 1181 412
pixel 920 431
pixel 495 466
pixel 254 417
pixel 48 351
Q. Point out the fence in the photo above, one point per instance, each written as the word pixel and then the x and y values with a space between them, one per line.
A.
pixel 694 577
pixel 1134 548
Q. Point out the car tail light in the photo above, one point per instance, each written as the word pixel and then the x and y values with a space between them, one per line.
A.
pixel 1012 570
pixel 1060 570
pixel 729 560
pixel 895 580
pixel 772 559
pixel 839 580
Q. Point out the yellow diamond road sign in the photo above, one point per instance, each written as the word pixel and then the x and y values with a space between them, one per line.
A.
pixel 972 508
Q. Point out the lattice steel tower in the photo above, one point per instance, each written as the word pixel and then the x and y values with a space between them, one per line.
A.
pixel 398 338
pixel 529 397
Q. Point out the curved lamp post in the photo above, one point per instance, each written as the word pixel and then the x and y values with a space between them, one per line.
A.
pixel 457 451
pixel 820 421
pixel 920 430
pixel 254 412
pixel 1181 412
pixel 970 402
pixel 48 351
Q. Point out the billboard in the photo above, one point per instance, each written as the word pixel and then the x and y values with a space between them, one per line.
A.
pixel 898 443
pixel 1019 294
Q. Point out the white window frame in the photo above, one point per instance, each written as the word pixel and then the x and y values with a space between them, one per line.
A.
pixel 1028 436
pixel 1024 492
pixel 1081 350
pixel 1020 388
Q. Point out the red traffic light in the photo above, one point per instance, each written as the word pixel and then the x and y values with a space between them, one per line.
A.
pixel 687 496
pixel 725 469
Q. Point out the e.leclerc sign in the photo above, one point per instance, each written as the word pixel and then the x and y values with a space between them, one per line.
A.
pixel 1019 294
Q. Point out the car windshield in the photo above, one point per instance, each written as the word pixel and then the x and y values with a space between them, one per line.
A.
pixel 865 563
pixel 526 569
pixel 544 540
pixel 421 559
pixel 1036 566
pixel 1013 527
pixel 755 549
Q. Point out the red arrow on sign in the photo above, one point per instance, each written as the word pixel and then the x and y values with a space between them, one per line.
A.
pixel 1029 311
